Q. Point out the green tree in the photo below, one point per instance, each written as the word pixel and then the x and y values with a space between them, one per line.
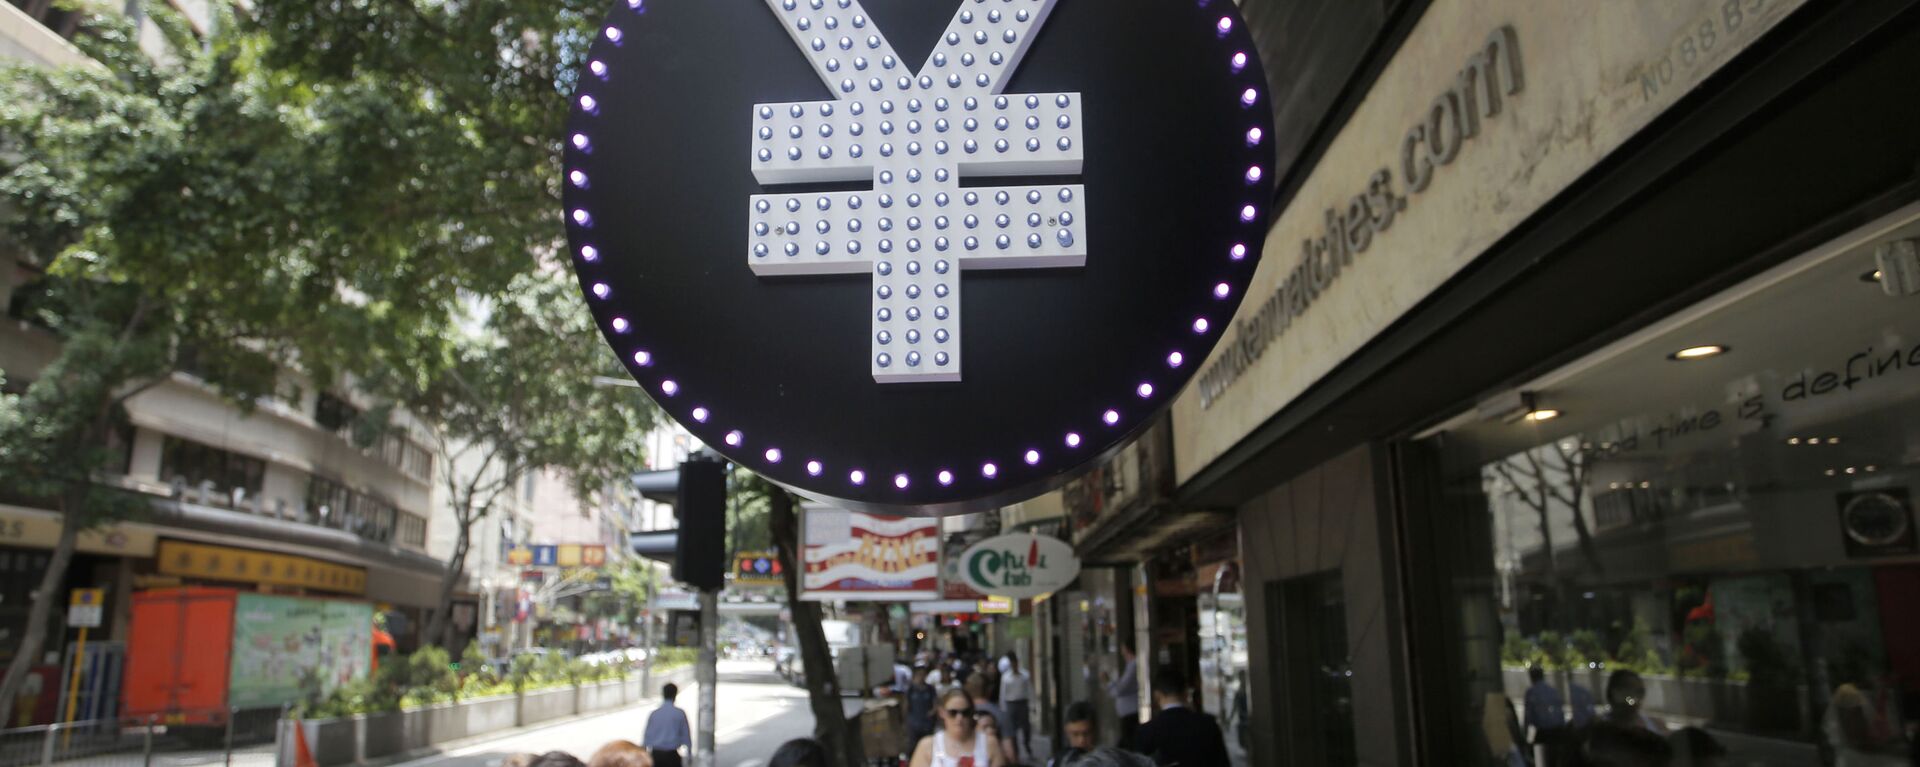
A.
pixel 196 214
pixel 515 394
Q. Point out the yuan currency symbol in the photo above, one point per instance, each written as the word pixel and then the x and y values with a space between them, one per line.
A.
pixel 914 135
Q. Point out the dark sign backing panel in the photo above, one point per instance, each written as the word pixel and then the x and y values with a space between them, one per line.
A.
pixel 1061 365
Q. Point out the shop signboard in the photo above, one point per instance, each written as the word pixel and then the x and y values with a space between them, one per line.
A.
pixel 280 643
pixel 85 608
pixel 32 528
pixel 1463 136
pixel 757 568
pixel 226 563
pixel 1020 565
pixel 852 555
pixel 1095 175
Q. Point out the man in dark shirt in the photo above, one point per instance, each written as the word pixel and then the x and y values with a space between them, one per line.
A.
pixel 1179 736
pixel 1079 732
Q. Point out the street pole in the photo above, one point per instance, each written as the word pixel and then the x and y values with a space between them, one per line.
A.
pixel 707 675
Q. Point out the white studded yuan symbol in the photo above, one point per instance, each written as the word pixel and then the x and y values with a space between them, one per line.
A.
pixel 914 135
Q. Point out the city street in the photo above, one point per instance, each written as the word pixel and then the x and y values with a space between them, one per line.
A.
pixel 757 712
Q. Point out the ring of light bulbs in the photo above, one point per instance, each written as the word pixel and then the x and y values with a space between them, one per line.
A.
pixel 1028 134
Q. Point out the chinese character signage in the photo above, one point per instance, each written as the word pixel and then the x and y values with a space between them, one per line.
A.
pixel 225 563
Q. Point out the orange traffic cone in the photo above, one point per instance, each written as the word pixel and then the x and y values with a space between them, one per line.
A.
pixel 302 755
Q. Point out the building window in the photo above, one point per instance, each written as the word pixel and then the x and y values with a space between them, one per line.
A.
pixel 335 414
pixel 1712 541
pixel 332 504
pixel 192 464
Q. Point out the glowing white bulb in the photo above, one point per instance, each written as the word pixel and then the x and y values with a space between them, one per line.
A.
pixel 900 481
pixel 1253 136
pixel 642 358
pixel 773 455
pixel 1032 457
pixel 580 141
pixel 614 34
pixel 1225 25
pixel 588 103
pixel 1073 439
pixel 669 388
pixel 945 477
pixel 1239 61
pixel 600 290
pixel 1239 251
pixel 1248 213
pixel 579 178
pixel 734 438
pixel 1222 290
pixel 1248 97
pixel 701 414
pixel 857 477
pixel 1200 325
pixel 1175 359
pixel 1111 417
pixel 989 471
pixel 581 217
pixel 620 325
pixel 814 468
pixel 1145 390
pixel 1254 174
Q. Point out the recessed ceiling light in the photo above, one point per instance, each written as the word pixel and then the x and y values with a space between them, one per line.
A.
pixel 1833 440
pixel 1813 440
pixel 1543 415
pixel 1698 352
pixel 1873 276
pixel 1793 440
pixel 1831 472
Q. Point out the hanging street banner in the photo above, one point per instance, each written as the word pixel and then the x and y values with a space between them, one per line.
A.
pixel 917 258
pixel 851 555
pixel 1020 565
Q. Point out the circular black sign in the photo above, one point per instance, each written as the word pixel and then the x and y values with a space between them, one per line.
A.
pixel 912 256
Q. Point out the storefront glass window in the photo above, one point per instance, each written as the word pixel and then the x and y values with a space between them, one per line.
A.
pixel 1701 540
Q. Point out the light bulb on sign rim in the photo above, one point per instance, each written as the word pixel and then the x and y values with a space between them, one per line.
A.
pixel 1145 390
pixel 643 358
pixel 989 470
pixel 1224 25
pixel 900 481
pixel 1543 414
pixel 734 438
pixel 589 253
pixel 1200 325
pixel 669 388
pixel 1222 290
pixel 1239 251
pixel 1249 97
pixel 1111 417
pixel 944 477
pixel 1239 61
pixel 814 468
pixel 1254 135
pixel 1698 352
pixel 581 142
pixel 857 477
pixel 1254 174
pixel 1248 213
pixel 1032 457
pixel 1073 439
pixel 1175 359
pixel 588 103
pixel 579 178
pixel 700 414
pixel 620 325
pixel 601 290
pixel 772 455
pixel 614 34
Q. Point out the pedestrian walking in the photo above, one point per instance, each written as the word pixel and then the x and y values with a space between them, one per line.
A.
pixel 1178 735
pixel 921 698
pixel 1125 691
pixel 1079 732
pixel 958 743
pixel 667 730
pixel 1016 696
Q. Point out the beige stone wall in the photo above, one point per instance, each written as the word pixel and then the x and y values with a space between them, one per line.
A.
pixel 1595 73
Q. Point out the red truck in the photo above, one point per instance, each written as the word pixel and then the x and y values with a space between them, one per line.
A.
pixel 195 654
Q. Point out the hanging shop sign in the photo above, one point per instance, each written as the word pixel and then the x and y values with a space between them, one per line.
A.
pixel 1093 175
pixel 1487 111
pixel 757 568
pixel 853 555
pixel 1021 565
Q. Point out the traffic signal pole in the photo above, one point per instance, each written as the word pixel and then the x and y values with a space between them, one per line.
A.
pixel 707 675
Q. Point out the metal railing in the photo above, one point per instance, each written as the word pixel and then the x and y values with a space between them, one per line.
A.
pixel 140 742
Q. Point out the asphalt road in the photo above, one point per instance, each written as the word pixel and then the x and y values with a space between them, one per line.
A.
pixel 755 709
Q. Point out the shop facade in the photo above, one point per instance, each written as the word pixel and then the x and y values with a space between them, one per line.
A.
pixel 1585 342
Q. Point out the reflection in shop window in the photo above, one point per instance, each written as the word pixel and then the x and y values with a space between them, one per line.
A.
pixel 1704 554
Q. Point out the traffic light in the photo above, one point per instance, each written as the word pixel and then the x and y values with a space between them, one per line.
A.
pixel 700 557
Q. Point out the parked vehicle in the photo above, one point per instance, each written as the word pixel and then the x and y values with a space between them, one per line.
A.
pixel 205 652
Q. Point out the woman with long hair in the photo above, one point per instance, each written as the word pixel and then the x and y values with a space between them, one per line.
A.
pixel 958 742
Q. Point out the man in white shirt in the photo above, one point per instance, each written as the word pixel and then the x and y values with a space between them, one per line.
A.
pixel 1125 691
pixel 667 731
pixel 1016 696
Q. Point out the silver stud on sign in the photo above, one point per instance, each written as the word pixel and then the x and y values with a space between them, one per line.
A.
pixel 977 55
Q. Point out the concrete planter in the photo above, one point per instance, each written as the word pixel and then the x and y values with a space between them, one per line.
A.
pixel 379 737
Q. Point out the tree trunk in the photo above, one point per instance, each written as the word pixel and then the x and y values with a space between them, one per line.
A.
pixel 823 692
pixel 28 654
pixel 439 624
